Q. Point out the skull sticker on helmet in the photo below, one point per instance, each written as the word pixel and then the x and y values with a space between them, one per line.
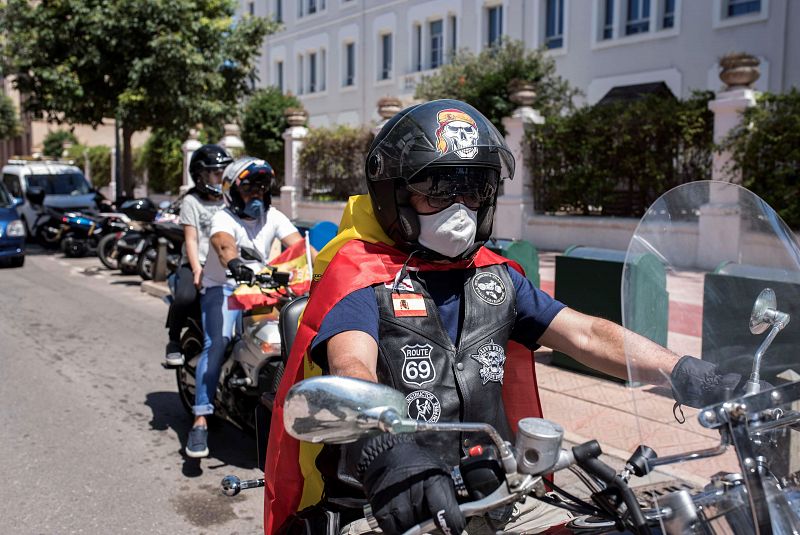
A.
pixel 457 133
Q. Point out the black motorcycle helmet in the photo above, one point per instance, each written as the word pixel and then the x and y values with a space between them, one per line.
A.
pixel 246 172
pixel 207 158
pixel 441 149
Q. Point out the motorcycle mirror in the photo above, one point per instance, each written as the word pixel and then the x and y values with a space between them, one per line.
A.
pixel 338 410
pixel 760 317
pixel 163 205
pixel 35 195
pixel 248 253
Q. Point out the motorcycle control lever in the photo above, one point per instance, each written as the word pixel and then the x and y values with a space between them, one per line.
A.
pixel 232 485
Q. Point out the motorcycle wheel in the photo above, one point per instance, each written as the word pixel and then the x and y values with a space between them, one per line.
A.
pixel 147 263
pixel 191 346
pixel 107 251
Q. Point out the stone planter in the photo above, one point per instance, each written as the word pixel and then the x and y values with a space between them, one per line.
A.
pixel 295 116
pixel 739 70
pixel 388 107
pixel 521 92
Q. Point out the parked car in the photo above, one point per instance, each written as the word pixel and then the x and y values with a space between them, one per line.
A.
pixel 43 187
pixel 12 231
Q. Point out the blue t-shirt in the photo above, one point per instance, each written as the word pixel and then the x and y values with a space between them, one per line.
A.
pixel 358 311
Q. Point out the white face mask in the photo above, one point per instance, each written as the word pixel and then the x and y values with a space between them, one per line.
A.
pixel 449 232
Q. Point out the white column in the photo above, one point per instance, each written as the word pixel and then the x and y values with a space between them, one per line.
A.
pixel 112 185
pixel 188 147
pixel 515 205
pixel 728 108
pixel 231 141
pixel 293 141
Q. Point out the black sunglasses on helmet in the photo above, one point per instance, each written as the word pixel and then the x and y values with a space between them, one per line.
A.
pixel 444 186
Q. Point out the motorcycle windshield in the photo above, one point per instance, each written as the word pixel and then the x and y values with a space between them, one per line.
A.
pixel 699 260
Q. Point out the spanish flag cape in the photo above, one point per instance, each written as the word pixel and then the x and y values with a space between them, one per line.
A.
pixel 359 256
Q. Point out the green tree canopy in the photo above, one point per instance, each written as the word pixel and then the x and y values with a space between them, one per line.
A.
pixel 482 81
pixel 148 63
pixel 53 143
pixel 263 125
pixel 766 151
pixel 9 118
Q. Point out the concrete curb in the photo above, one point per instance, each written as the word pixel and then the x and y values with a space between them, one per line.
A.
pixel 156 289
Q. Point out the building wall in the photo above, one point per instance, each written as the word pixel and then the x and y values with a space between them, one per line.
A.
pixel 684 56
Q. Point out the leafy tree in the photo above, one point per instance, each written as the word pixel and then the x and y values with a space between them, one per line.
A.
pixel 53 143
pixel 332 162
pixel 617 158
pixel 162 158
pixel 263 125
pixel 99 158
pixel 482 81
pixel 149 64
pixel 765 149
pixel 9 118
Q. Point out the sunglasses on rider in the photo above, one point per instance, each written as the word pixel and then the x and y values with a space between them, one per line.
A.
pixel 473 187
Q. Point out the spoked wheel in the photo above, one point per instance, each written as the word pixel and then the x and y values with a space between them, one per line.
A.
pixel 107 251
pixel 191 346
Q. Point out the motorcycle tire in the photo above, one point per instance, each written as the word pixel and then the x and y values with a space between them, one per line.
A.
pixel 147 263
pixel 191 346
pixel 107 251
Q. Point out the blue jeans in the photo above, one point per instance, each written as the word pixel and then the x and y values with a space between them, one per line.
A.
pixel 218 324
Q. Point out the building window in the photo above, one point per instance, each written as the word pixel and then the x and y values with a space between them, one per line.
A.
pixel 251 8
pixel 312 6
pixel 278 10
pixel 300 80
pixel 453 34
pixel 743 7
pixel 495 29
pixel 279 75
pixel 608 19
pixel 554 25
pixel 637 17
pixel 437 43
pixel 349 64
pixel 669 14
pixel 386 56
pixel 312 72
pixel 417 47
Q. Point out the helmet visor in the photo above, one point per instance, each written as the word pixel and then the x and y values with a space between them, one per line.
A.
pixel 442 186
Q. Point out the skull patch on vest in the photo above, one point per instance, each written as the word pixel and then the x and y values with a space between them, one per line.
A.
pixel 492 357
pixel 489 288
pixel 423 405
pixel 418 367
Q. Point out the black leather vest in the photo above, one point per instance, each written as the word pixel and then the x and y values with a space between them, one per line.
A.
pixel 442 381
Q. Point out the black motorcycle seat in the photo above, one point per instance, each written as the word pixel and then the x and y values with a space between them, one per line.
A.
pixel 287 324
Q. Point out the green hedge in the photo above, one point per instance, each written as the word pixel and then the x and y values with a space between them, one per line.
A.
pixel 332 162
pixel 765 149
pixel 99 162
pixel 617 158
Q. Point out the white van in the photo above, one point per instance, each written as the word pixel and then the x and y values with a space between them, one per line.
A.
pixel 47 183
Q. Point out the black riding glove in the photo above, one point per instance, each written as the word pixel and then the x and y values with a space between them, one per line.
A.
pixel 241 273
pixel 406 485
pixel 698 383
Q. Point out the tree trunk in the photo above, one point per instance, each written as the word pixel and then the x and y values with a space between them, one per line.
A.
pixel 127 161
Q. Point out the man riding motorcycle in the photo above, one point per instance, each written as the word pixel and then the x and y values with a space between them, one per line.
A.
pixel 247 221
pixel 411 298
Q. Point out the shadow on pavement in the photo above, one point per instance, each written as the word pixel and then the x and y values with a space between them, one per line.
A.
pixel 229 446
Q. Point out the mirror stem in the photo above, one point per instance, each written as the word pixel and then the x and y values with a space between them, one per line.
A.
pixel 753 384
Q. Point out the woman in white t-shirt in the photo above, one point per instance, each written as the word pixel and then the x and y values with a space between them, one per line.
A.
pixel 197 208
pixel 247 221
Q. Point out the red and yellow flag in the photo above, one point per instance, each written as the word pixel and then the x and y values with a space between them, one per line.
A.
pixel 293 261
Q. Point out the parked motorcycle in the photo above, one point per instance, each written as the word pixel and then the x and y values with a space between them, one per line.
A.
pixel 254 359
pixel 741 257
pixel 120 250
pixel 82 232
pixel 147 248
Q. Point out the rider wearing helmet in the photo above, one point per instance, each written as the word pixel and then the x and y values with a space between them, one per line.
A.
pixel 197 208
pixel 249 222
pixel 406 295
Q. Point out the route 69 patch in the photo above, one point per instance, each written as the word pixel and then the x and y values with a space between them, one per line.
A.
pixel 418 367
pixel 423 405
pixel 489 288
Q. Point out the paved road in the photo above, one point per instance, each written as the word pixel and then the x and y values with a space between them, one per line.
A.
pixel 91 427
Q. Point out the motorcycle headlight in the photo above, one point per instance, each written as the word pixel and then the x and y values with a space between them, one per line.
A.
pixel 15 229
